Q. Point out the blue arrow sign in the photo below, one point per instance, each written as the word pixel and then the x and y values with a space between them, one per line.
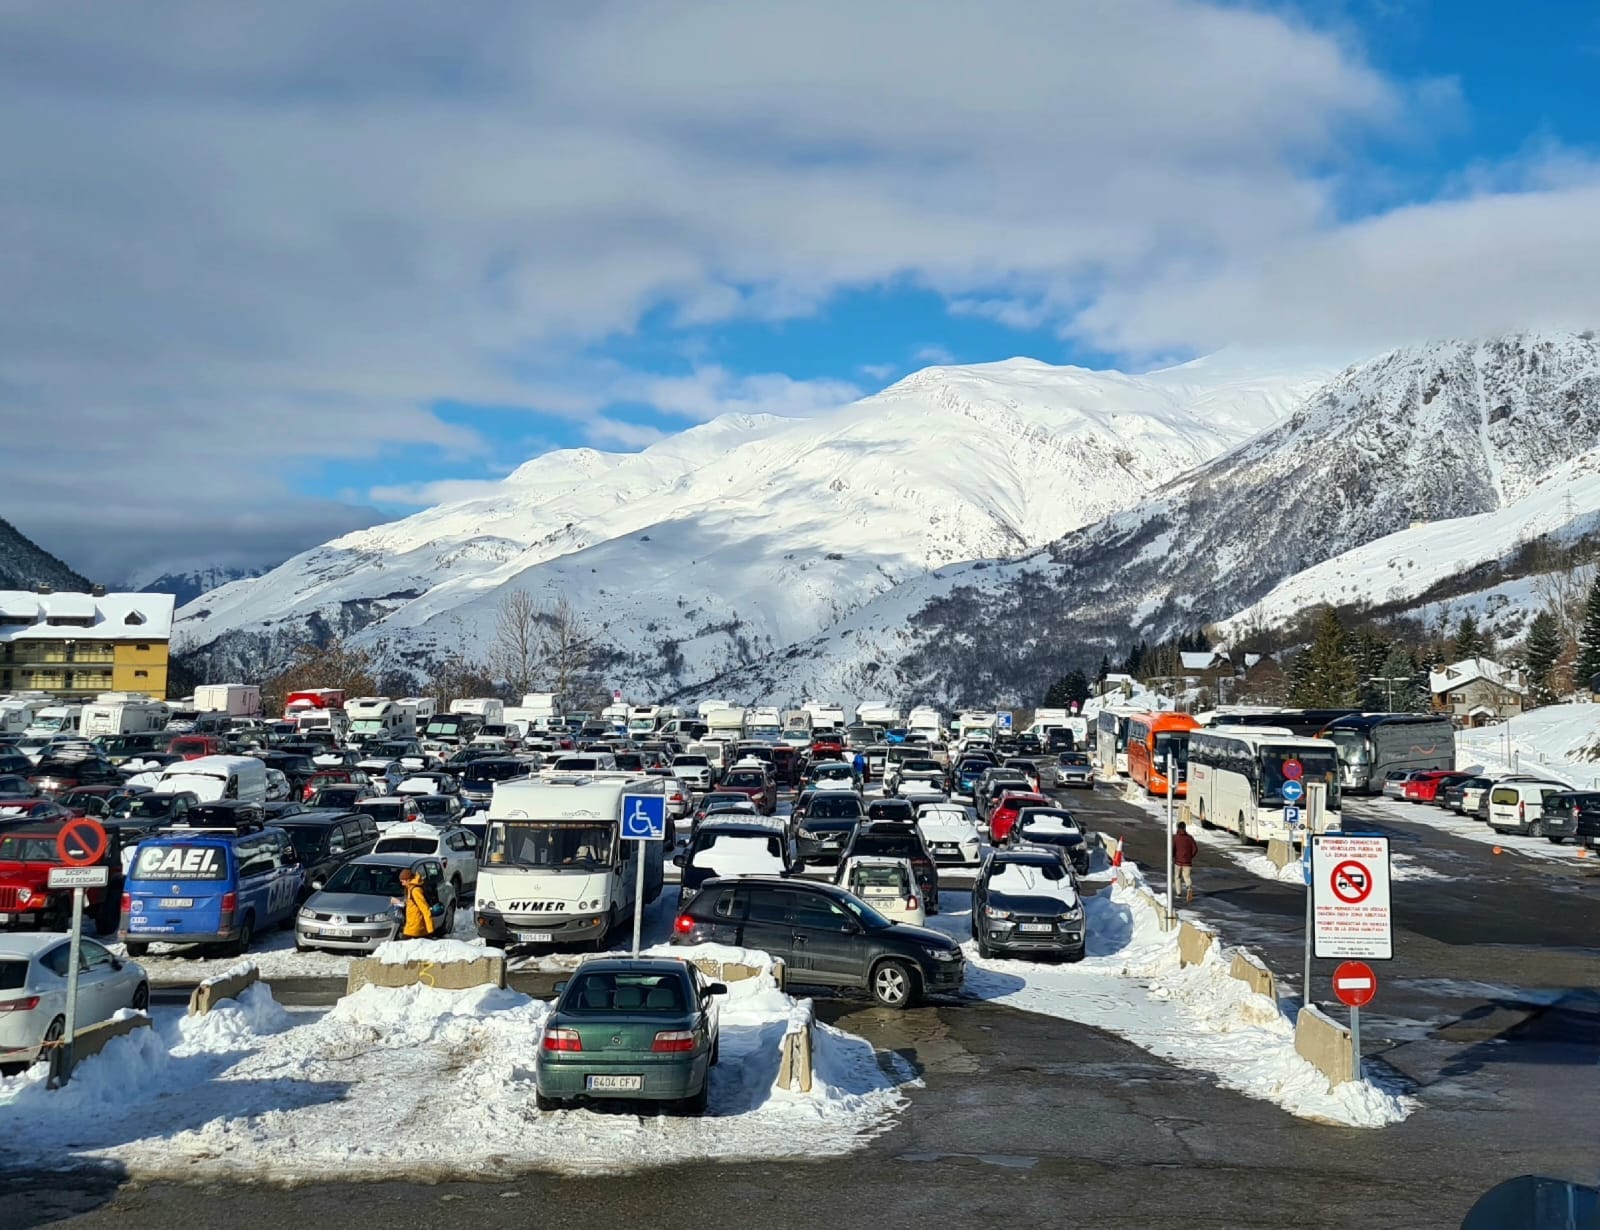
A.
pixel 644 817
pixel 1293 791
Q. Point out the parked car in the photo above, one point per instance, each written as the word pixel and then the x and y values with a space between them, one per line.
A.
pixel 720 801
pixel 951 833
pixel 1026 901
pixel 826 937
pixel 1027 768
pixel 639 1028
pixel 1074 769
pixel 158 807
pixel 326 841
pixel 888 885
pixel 993 784
pixel 725 848
pixel 456 848
pixel 479 778
pixel 894 840
pixel 15 811
pixel 969 771
pixel 33 991
pixel 97 802
pixel 1424 787
pixel 830 819
pixel 693 769
pixel 29 852
pixel 1574 814
pixel 832 775
pixel 1056 828
pixel 356 910
pixel 753 779
pixel 899 811
pixel 394 809
pixel 326 778
pixel 55 775
pixel 338 796
pixel 1461 796
pixel 1519 807
pixel 1006 806
pixel 910 769
pixel 1394 782
pixel 440 810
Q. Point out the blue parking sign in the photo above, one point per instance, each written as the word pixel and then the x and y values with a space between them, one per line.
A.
pixel 644 817
pixel 1291 817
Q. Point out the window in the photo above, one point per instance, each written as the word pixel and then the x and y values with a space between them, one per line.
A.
pixel 734 903
pixel 92 956
pixel 56 960
pixel 141 674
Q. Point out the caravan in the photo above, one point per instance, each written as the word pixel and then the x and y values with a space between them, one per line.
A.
pixel 556 869
pixel 123 713
pixel 56 720
pixel 377 718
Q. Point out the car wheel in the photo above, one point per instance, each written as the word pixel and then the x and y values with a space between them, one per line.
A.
pixel 984 950
pixel 546 1104
pixel 141 997
pixel 893 985
pixel 1554 840
pixel 135 948
pixel 1536 827
pixel 240 946
pixel 54 1032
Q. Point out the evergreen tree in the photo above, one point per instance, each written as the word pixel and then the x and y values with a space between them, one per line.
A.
pixel 1397 685
pixel 1543 650
pixel 1589 639
pixel 1328 678
pixel 1105 668
pixel 1469 642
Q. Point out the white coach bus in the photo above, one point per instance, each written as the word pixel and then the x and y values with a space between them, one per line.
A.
pixel 1236 779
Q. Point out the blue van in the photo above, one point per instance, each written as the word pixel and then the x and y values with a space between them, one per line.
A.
pixel 220 879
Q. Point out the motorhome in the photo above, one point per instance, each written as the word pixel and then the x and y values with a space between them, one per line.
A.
pixel 378 717
pixel 642 719
pixel 488 710
pixel 335 721
pixel 877 713
pixel 707 707
pixel 234 699
pixel 17 710
pixel 725 724
pixel 297 703
pixel 825 716
pixel 56 720
pixel 214 779
pixel 122 713
pixel 764 723
pixel 926 721
pixel 422 709
pixel 556 868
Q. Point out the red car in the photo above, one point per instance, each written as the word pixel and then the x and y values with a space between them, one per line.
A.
pixel 1425 787
pixel 27 853
pixel 753 779
pixel 333 776
pixel 192 747
pixel 1006 808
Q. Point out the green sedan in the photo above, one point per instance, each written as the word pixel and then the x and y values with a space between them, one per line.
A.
pixel 634 1029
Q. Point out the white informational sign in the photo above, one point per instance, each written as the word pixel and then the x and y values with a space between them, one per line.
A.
pixel 79 877
pixel 1350 897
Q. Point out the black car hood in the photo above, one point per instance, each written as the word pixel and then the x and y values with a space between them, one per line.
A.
pixel 925 936
pixel 1042 907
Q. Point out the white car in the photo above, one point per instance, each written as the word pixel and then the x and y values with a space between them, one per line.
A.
pixel 455 847
pixel 951 832
pixel 693 769
pixel 277 786
pixel 33 990
pixel 888 885
pixel 918 792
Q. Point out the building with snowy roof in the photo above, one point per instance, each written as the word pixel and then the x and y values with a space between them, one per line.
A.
pixel 79 645
pixel 1477 690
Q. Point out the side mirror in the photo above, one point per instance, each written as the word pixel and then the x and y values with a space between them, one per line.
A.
pixel 116 963
pixel 716 988
pixel 316 884
pixel 560 987
pixel 336 848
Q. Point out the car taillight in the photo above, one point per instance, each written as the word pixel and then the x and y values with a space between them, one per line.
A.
pixel 19 1005
pixel 229 902
pixel 1522 811
pixel 683 924
pixel 911 903
pixel 562 1040
pixel 673 1041
pixel 127 903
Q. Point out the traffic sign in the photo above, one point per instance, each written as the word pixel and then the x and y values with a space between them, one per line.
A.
pixel 1350 905
pixel 1293 770
pixel 1293 790
pixel 81 842
pixel 644 817
pixel 1292 817
pixel 1355 984
pixel 80 877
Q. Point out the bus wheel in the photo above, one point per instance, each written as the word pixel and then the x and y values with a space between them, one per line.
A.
pixel 1204 823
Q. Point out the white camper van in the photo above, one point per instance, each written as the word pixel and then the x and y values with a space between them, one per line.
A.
pixel 555 868
pixel 488 710
pixel 378 717
pixel 56 720
pixel 123 713
pixel 215 778
pixel 234 699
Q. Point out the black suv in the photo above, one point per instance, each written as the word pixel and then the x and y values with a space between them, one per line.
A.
pixel 730 847
pixel 830 817
pixel 824 936
pixel 891 839
pixel 1026 901
pixel 327 839
pixel 1574 814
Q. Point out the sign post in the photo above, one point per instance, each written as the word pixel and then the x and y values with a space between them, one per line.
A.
pixel 1172 896
pixel 1352 917
pixel 1355 984
pixel 644 818
pixel 80 845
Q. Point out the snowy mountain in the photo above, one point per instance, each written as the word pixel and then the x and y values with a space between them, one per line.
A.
pixel 190 584
pixel 24 564
pixel 741 537
pixel 1495 431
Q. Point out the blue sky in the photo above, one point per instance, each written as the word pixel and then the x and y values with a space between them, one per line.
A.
pixel 328 264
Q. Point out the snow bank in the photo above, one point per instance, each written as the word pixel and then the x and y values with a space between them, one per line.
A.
pixel 232 1025
pixel 434 952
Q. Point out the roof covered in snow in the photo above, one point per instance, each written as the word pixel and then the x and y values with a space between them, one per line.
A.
pixel 1459 674
pixel 27 616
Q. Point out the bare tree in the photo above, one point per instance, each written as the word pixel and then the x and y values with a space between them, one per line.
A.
pixel 333 665
pixel 1562 580
pixel 455 678
pixel 567 644
pixel 518 654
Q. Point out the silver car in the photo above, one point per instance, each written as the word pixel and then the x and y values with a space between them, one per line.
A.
pixel 1074 769
pixel 363 904
pixel 33 991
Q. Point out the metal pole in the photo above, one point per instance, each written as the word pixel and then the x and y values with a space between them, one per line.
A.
pixel 1172 897
pixel 1305 977
pixel 61 1062
pixel 1355 1042
pixel 638 896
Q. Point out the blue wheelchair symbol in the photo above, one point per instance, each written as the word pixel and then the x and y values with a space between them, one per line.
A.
pixel 644 817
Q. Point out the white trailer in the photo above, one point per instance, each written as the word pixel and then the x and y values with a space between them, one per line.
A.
pixel 123 713
pixel 17 710
pixel 487 709
pixel 234 699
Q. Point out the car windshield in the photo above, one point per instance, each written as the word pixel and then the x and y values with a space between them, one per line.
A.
pixel 435 805
pixel 577 847
pixel 690 762
pixel 1046 823
pixel 407 845
pixel 492 771
pixel 382 809
pixel 367 880
pixel 834 807
pixel 921 766
pixel 307 838
pixel 606 991
pixel 16 849
pixel 747 777
pixel 1068 759
pixel 180 862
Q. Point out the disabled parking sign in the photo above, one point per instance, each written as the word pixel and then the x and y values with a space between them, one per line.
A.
pixel 644 817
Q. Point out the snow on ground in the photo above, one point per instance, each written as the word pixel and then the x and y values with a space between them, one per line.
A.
pixel 1198 1017
pixel 1553 741
pixel 420 1083
pixel 1471 829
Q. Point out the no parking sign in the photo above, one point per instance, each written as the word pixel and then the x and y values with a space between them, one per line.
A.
pixel 1350 897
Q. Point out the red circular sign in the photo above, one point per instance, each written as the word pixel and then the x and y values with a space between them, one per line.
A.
pixel 1355 984
pixel 81 842
pixel 1293 770
pixel 1352 882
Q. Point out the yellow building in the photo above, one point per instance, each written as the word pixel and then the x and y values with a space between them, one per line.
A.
pixel 79 645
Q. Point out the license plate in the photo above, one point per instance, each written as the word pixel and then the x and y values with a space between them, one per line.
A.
pixel 616 1082
pixel 1037 927
pixel 338 931
pixel 534 937
pixel 175 903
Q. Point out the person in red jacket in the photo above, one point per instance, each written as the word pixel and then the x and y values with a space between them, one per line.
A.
pixel 1184 848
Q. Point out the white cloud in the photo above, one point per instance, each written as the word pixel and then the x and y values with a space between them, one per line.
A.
pixel 713 390
pixel 605 430
pixel 933 353
pixel 878 371
pixel 1012 313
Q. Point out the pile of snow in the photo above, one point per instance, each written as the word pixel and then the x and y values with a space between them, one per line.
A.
pixel 424 1083
pixel 434 952
pixel 1132 984
pixel 1019 880
pixel 1561 742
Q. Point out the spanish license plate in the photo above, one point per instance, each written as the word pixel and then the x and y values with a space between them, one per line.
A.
pixel 175 903
pixel 616 1082
pixel 338 931
pixel 1037 927
pixel 534 937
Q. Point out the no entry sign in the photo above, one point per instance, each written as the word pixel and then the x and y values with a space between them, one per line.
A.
pixel 1355 984
pixel 1350 897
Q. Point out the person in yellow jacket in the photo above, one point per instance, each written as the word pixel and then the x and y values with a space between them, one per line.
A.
pixel 419 918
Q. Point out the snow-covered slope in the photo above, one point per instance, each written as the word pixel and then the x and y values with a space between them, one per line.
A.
pixel 750 533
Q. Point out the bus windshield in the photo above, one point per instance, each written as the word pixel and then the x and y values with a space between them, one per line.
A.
pixel 558 847
pixel 1176 745
pixel 1352 745
pixel 1319 766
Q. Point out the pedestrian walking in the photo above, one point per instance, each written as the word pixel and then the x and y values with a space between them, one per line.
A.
pixel 860 766
pixel 419 915
pixel 1184 848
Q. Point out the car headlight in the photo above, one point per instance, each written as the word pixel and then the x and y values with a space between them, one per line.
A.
pixel 308 914
pixel 943 954
pixel 807 834
pixel 1075 914
pixel 991 912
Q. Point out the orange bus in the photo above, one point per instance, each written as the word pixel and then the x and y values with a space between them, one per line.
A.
pixel 1151 738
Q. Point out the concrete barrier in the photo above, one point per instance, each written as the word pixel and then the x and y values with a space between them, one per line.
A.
pixel 1281 853
pixel 92 1041
pixel 1250 970
pixel 1194 941
pixel 225 985
pixel 447 975
pixel 1325 1044
pixel 794 1065
pixel 734 971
